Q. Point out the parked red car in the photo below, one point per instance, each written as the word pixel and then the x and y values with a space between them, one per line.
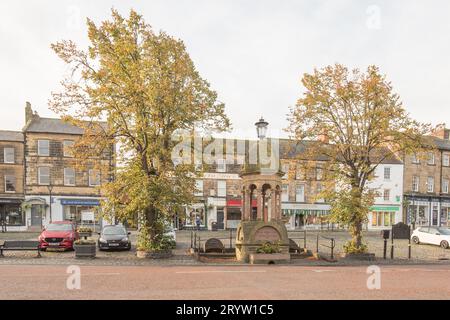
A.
pixel 59 235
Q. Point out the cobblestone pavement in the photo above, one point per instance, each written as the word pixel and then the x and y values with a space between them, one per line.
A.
pixel 419 253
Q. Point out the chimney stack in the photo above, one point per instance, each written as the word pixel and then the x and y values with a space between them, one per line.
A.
pixel 441 132
pixel 28 112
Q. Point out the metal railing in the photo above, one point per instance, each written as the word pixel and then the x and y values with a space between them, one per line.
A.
pixel 196 240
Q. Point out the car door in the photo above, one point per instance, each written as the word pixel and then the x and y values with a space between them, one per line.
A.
pixel 424 235
pixel 434 236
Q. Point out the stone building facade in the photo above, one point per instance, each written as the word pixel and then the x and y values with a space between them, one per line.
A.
pixel 12 179
pixel 219 196
pixel 426 183
pixel 51 186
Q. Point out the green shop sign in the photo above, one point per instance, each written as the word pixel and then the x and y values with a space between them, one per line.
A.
pixel 384 208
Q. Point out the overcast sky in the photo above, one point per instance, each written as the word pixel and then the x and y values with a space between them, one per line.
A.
pixel 252 52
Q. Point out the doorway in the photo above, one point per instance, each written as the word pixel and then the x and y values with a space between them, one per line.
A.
pixel 220 219
pixel 36 215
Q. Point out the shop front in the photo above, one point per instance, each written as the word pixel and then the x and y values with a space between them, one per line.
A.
pixel 301 216
pixel 11 214
pixel 383 216
pixel 427 211
pixel 82 211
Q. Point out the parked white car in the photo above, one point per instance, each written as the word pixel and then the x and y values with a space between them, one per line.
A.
pixel 432 235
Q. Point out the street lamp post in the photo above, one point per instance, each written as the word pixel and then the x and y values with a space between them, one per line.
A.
pixel 50 189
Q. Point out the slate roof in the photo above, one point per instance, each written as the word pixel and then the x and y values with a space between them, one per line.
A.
pixel 6 135
pixel 50 125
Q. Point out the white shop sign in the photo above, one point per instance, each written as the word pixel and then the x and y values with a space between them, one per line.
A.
pixel 221 176
pixel 87 216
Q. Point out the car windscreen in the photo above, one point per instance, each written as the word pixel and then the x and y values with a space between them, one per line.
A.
pixel 444 231
pixel 59 227
pixel 114 230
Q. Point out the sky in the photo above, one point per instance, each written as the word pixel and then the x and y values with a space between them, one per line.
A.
pixel 253 52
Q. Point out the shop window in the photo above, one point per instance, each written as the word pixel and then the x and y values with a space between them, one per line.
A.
pixel 10 184
pixel 67 146
pixel 43 147
pixel 233 214
pixel 383 219
pixel 44 175
pixel 221 188
pixel 8 155
pixel 94 178
pixel 69 176
pixel 12 215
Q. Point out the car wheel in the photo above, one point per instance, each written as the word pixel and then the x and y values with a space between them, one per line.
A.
pixel 416 240
pixel 444 244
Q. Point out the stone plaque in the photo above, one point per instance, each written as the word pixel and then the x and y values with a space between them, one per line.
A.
pixel 267 234
pixel 213 245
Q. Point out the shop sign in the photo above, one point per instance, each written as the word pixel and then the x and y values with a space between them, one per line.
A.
pixel 384 208
pixel 80 202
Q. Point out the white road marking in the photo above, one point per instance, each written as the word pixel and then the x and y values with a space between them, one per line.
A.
pixel 319 271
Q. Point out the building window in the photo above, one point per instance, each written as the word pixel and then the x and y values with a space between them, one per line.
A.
pixel 67 146
pixel 415 183
pixel 94 178
pixel 221 188
pixel 319 190
pixel 44 175
pixel 8 155
pixel 300 193
pixel 387 173
pixel 221 165
pixel 415 159
pixel 430 184
pixel 10 184
pixel 69 176
pixel 43 147
pixel 446 160
pixel 285 193
pixel 386 195
pixel 319 173
pixel 285 169
pixel 445 184
pixel 300 173
pixel 431 158
pixel 198 188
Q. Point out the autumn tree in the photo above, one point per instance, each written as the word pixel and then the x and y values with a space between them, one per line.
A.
pixel 356 122
pixel 145 88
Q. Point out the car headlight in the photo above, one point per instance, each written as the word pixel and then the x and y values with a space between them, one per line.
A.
pixel 102 240
pixel 125 239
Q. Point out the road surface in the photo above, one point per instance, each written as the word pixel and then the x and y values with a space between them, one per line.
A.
pixel 223 282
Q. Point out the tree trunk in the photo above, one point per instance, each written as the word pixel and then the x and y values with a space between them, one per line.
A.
pixel 151 218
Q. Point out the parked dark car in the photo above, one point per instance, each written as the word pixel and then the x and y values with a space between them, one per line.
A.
pixel 114 237
pixel 58 235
